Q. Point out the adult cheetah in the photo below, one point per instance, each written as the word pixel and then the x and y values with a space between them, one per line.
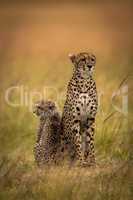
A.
pixel 48 135
pixel 80 109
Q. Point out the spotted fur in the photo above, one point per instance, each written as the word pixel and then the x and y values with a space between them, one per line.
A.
pixel 78 121
pixel 48 135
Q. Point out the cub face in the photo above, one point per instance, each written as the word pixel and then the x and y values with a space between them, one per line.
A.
pixel 84 63
pixel 44 109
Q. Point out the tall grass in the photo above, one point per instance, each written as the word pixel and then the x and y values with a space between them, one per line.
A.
pixel 21 179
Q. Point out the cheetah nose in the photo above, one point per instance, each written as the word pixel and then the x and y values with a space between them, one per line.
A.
pixel 89 66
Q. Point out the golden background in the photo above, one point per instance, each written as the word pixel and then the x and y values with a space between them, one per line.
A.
pixel 35 40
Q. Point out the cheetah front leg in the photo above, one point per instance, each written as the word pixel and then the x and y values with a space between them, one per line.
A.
pixel 77 141
pixel 89 153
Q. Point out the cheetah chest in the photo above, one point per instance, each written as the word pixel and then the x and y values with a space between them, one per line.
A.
pixel 85 107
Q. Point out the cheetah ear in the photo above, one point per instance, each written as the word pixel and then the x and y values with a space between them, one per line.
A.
pixel 72 57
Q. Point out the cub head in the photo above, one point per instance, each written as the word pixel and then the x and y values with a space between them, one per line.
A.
pixel 44 109
pixel 84 63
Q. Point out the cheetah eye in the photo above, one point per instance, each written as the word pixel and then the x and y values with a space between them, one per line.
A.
pixel 83 59
pixel 92 59
pixel 51 107
pixel 39 107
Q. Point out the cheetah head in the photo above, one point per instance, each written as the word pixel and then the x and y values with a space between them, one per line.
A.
pixel 84 63
pixel 44 109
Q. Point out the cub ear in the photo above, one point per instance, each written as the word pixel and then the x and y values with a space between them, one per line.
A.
pixel 72 57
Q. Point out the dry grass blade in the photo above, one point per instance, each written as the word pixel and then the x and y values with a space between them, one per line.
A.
pixel 109 116
pixel 120 85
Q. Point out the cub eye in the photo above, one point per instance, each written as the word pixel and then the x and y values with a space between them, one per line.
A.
pixel 92 59
pixel 51 107
pixel 83 59
pixel 39 107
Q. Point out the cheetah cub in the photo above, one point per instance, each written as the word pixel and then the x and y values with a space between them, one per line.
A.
pixel 80 109
pixel 48 135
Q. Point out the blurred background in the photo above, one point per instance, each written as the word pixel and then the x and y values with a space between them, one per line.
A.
pixel 35 40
